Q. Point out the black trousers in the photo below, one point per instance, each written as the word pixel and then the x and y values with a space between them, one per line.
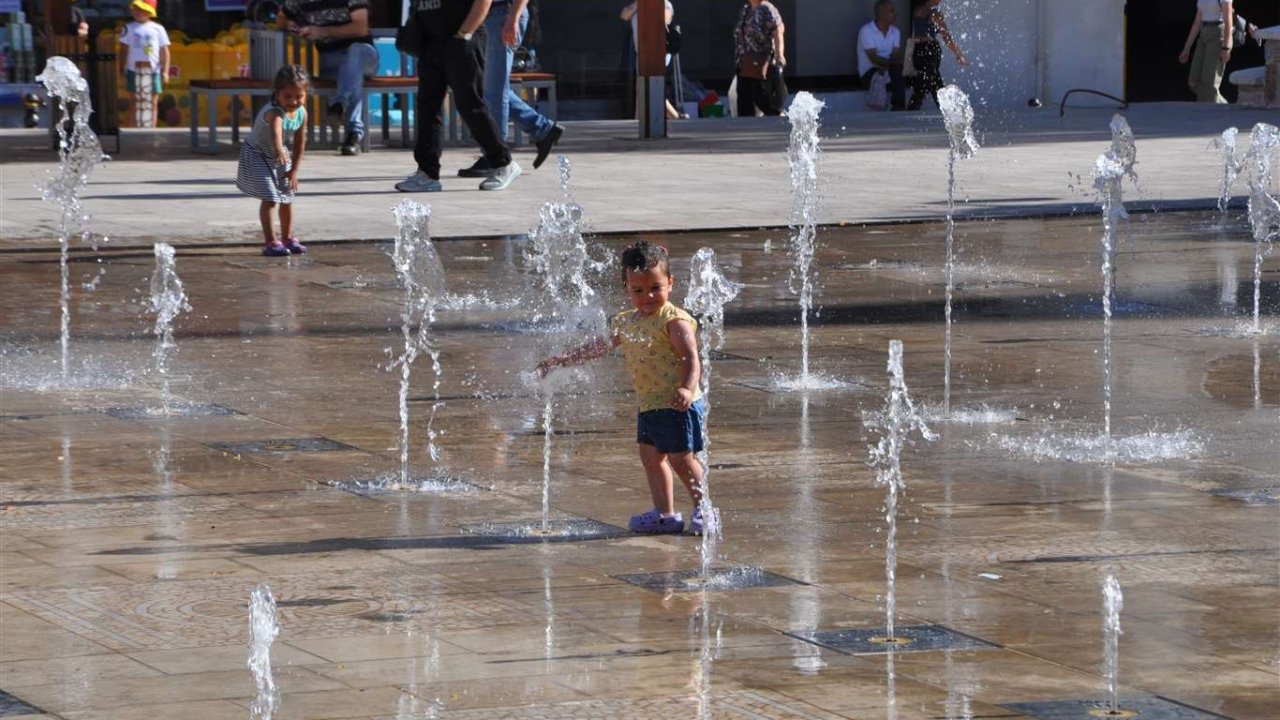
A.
pixel 457 65
pixel 928 80
pixel 768 94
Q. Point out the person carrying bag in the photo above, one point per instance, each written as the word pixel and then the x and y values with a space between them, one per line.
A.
pixel 761 58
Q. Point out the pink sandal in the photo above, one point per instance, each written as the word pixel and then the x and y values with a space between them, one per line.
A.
pixel 295 247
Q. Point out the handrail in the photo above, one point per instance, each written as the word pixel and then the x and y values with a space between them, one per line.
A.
pixel 1062 106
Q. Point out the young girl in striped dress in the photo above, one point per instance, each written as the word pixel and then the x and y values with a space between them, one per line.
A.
pixel 270 156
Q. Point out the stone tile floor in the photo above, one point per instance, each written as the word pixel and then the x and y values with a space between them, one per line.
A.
pixel 128 545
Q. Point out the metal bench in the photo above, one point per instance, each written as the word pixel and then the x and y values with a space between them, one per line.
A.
pixel 236 88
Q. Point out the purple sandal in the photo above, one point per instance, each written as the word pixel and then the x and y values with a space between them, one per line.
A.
pixel 295 247
pixel 697 524
pixel 652 523
pixel 275 248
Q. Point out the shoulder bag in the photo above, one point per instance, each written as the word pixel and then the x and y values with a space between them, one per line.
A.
pixel 410 38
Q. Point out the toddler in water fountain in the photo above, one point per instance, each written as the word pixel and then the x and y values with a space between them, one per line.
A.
pixel 270 155
pixel 659 344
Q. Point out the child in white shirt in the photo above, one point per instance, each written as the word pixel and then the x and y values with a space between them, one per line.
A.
pixel 145 47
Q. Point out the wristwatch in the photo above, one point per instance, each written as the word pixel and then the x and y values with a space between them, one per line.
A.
pixel 463 36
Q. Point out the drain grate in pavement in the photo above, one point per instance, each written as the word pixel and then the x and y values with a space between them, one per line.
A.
pixel 531 531
pixel 1145 708
pixel 179 409
pixel 912 638
pixel 11 706
pixel 282 446
pixel 734 578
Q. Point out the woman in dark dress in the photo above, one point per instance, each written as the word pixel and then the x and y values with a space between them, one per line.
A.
pixel 927 25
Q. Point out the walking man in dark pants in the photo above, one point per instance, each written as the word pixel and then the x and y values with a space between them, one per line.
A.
pixel 451 60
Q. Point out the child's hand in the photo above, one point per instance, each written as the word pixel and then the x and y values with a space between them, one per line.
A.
pixel 282 158
pixel 682 399
pixel 293 181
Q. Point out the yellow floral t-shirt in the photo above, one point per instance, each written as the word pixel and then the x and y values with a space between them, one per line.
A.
pixel 646 346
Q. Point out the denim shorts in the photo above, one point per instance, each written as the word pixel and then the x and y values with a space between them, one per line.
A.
pixel 673 431
pixel 131 82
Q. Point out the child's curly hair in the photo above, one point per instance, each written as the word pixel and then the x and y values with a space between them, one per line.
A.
pixel 644 256
pixel 290 75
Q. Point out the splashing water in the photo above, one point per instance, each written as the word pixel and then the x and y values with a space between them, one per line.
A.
pixel 803 155
pixel 1109 172
pixel 1113 602
pixel 548 432
pixel 709 292
pixel 168 299
pixel 894 424
pixel 1141 448
pixel 957 113
pixel 561 274
pixel 422 276
pixel 559 263
pixel 565 168
pixel 263 629
pixel 1264 210
pixel 1231 165
pixel 79 152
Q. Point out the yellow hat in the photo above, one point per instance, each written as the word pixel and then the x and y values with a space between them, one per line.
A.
pixel 146 6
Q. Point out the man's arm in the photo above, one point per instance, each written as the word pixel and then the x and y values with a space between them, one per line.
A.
pixel 357 28
pixel 514 11
pixel 475 18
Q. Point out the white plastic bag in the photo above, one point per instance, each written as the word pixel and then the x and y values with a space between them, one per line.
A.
pixel 733 97
pixel 878 92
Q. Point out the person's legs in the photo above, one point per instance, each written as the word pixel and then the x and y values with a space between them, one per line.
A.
pixel 504 103
pixel 463 71
pixel 432 87
pixel 928 61
pixel 746 97
pixel 361 62
pixel 688 468
pixel 330 69
pixel 923 59
pixel 497 68
pixel 897 88
pixel 1208 75
pixel 286 221
pixel 264 216
pixel 658 473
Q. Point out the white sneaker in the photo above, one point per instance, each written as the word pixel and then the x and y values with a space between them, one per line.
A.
pixel 419 182
pixel 501 177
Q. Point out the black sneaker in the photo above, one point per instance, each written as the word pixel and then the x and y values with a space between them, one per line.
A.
pixel 480 169
pixel 545 144
pixel 350 146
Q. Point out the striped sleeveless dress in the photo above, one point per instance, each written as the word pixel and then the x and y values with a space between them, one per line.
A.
pixel 258 175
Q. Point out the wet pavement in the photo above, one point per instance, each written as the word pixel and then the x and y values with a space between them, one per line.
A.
pixel 129 543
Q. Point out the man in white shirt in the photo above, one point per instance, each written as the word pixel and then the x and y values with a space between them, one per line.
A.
pixel 880 50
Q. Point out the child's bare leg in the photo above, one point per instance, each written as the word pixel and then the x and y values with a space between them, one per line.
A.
pixel 658 472
pixel 687 466
pixel 264 215
pixel 286 221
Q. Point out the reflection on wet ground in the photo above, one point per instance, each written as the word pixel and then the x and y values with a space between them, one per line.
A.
pixel 130 541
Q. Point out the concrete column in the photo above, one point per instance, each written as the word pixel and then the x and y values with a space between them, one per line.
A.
pixel 651 69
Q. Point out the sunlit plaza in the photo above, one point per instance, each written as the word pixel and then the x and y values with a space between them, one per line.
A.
pixel 993 427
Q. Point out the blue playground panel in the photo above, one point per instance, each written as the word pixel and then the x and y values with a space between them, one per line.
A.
pixel 388 65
